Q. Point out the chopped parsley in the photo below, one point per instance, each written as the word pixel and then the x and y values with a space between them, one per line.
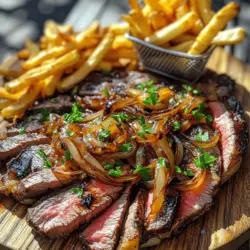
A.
pixel 209 118
pixel 152 99
pixel 45 115
pixel 170 139
pixel 105 92
pixel 145 128
pixel 45 158
pixel 171 101
pixel 75 90
pixel 123 117
pixel 104 134
pixel 22 131
pixel 204 161
pixel 198 113
pixel 188 173
pixel 78 192
pixel 186 110
pixel 176 126
pixel 68 155
pixel 115 172
pixel 143 171
pixel 187 88
pixel 142 86
pixel 125 147
pixel 108 166
pixel 196 92
pixel 163 163
pixel 177 169
pixel 141 134
pixel 202 137
pixel 75 116
pixel 70 133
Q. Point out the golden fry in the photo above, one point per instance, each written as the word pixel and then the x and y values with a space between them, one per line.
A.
pixel 121 53
pixel 49 85
pixel 133 65
pixel 105 65
pixel 157 20
pixel 9 73
pixel 6 95
pixel 133 27
pixel 121 42
pixel 182 10
pixel 183 47
pixel 194 6
pixel 18 108
pixel 173 30
pixel 141 23
pixel 183 38
pixel 198 27
pixel 5 103
pixel 32 48
pixel 229 37
pixel 23 54
pixel 169 7
pixel 92 62
pixel 205 11
pixel 119 28
pixel 218 22
pixel 134 4
pixel 92 29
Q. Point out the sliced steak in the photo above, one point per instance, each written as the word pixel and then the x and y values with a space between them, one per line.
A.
pixel 164 220
pixel 59 103
pixel 14 145
pixel 63 212
pixel 233 139
pixel 131 234
pixel 103 232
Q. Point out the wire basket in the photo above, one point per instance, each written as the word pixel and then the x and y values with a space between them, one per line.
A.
pixel 173 64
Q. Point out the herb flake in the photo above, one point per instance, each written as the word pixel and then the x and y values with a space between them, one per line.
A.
pixel 75 116
pixel 205 160
pixel 78 192
pixel 143 171
pixel 103 135
pixel 45 158
pixel 125 147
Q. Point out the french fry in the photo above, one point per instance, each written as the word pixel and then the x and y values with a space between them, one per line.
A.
pixel 169 7
pixel 43 71
pixel 206 13
pixel 119 28
pixel 134 4
pixel 9 73
pixel 18 108
pixel 49 85
pixel 198 27
pixel 92 29
pixel 6 95
pixel 121 42
pixel 194 6
pixel 183 47
pixel 5 103
pixel 173 30
pixel 153 5
pixel 141 23
pixel 146 11
pixel 183 38
pixel 229 37
pixel 105 65
pixel 218 22
pixel 120 53
pixel 132 65
pixel 182 10
pixel 23 54
pixel 157 20
pixel 32 48
pixel 133 27
pixel 92 62
pixel 50 30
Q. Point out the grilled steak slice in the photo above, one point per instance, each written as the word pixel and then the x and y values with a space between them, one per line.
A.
pixel 14 145
pixel 103 232
pixel 28 178
pixel 59 103
pixel 233 138
pixel 165 219
pixel 63 212
pixel 130 237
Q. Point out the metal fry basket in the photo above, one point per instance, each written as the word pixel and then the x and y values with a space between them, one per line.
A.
pixel 173 64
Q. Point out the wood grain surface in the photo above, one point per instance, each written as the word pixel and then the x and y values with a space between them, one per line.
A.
pixel 230 203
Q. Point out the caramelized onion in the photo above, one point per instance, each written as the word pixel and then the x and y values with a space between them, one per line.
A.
pixel 179 151
pixel 164 145
pixel 207 144
pixel 91 117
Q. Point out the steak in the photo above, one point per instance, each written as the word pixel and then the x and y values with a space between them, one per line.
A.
pixel 131 234
pixel 64 211
pixel 103 232
pixel 165 218
pixel 233 139
pixel 28 176
pixel 14 145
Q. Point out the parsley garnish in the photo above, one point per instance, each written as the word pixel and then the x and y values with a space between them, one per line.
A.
pixel 152 99
pixel 196 92
pixel 22 131
pixel 188 172
pixel 115 172
pixel 145 128
pixel 75 90
pixel 45 158
pixel 105 92
pixel 176 126
pixel 198 113
pixel 123 117
pixel 45 115
pixel 186 110
pixel 75 116
pixel 125 147
pixel 209 118
pixel 68 155
pixel 70 133
pixel 143 171
pixel 204 161
pixel 177 169
pixel 187 88
pixel 163 163
pixel 171 101
pixel 78 192
pixel 142 86
pixel 202 137
pixel 141 134
pixel 104 134
pixel 108 166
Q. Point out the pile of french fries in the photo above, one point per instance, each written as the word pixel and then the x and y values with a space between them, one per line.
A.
pixel 61 60
pixel 189 26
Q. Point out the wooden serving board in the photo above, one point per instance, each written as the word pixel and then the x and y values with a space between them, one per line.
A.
pixel 230 203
